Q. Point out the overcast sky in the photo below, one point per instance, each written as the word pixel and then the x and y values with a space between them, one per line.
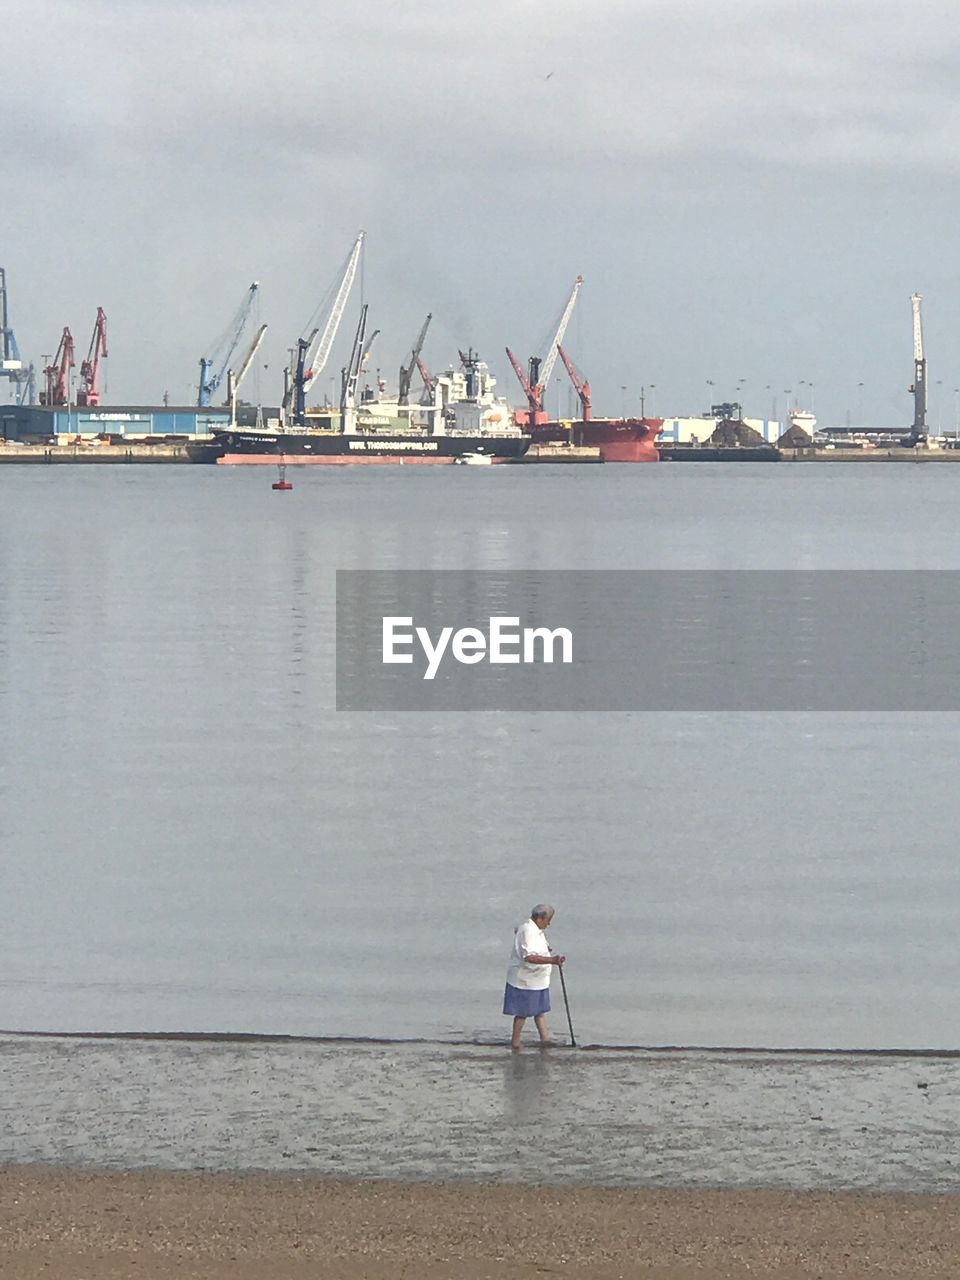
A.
pixel 752 189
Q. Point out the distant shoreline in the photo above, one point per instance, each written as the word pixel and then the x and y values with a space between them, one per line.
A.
pixel 127 454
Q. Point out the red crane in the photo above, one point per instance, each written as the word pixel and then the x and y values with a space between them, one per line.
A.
pixel 536 382
pixel 531 387
pixel 89 393
pixel 581 386
pixel 429 381
pixel 58 374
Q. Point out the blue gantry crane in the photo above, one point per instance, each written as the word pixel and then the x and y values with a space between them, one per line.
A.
pixel 214 366
pixel 11 366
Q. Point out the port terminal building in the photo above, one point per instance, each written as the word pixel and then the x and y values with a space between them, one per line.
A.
pixel 63 424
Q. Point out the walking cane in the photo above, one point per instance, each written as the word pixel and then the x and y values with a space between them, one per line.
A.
pixel 566 1002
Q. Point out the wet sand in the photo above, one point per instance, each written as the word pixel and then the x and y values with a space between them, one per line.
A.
pixel 348 1162
pixel 439 1113
pixel 104 1226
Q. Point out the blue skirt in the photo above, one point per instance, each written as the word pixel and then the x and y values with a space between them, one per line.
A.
pixel 520 1002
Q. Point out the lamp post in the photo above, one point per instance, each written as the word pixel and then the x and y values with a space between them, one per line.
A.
pixel 623 402
pixel 859 404
pixel 939 384
pixel 653 400
pixel 956 416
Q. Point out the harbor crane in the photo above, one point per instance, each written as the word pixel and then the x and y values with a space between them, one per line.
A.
pixel 234 379
pixel 313 352
pixel 11 366
pixel 429 380
pixel 350 376
pixel 918 432
pixel 367 351
pixel 580 385
pixel 537 378
pixel 57 375
pixel 89 393
pixel 214 366
pixel 406 371
pixel 367 394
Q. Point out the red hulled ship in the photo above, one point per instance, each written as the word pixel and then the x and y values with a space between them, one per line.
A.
pixel 618 439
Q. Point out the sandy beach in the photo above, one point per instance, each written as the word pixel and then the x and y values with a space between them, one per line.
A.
pixel 104 1226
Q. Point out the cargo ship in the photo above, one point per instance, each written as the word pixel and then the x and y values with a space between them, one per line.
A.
pixel 618 439
pixel 462 417
pixel 333 447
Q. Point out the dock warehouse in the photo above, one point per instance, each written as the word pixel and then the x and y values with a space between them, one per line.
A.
pixel 37 424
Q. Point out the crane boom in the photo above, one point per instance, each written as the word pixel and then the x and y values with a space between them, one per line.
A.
pixel 10 362
pixel 89 393
pixel 528 390
pixel 251 352
pixel 11 365
pixel 581 386
pixel 224 348
pixel 549 360
pixel 350 376
pixel 316 360
pixel 919 388
pixel 406 371
pixel 429 381
pixel 57 375
pixel 367 350
pixel 234 379
pixel 915 300
pixel 295 392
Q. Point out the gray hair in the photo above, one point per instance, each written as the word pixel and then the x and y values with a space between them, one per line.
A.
pixel 540 910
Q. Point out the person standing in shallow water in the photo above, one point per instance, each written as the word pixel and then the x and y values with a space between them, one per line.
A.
pixel 527 993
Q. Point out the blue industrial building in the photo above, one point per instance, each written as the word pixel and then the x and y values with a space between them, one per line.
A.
pixel 30 422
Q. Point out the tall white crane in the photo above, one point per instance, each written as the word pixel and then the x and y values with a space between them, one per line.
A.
pixel 314 352
pixel 919 388
pixel 550 359
pixel 234 379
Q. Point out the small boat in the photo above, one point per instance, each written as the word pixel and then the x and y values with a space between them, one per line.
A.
pixel 474 460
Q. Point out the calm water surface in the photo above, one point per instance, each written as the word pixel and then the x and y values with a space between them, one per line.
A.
pixel 193 839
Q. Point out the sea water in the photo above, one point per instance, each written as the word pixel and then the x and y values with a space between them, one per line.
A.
pixel 194 839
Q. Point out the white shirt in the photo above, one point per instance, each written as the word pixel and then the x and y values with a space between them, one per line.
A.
pixel 529 940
